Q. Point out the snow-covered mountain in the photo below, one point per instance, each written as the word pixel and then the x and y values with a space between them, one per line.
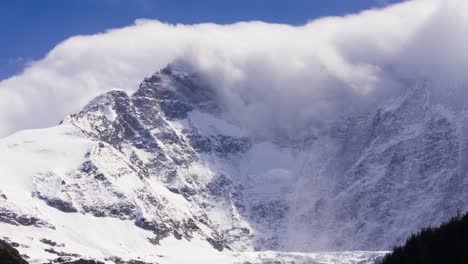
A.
pixel 163 176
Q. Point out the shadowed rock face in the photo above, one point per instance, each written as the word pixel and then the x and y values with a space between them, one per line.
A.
pixel 9 255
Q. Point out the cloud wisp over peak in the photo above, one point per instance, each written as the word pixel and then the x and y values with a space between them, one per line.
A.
pixel 271 77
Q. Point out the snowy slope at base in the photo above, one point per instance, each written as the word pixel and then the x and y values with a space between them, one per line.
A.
pixel 76 235
pixel 105 239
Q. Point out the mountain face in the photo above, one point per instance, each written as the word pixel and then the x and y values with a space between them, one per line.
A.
pixel 162 174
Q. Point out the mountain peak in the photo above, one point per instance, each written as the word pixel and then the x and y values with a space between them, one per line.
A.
pixel 167 165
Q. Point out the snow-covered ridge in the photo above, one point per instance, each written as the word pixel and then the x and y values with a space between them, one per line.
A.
pixel 167 170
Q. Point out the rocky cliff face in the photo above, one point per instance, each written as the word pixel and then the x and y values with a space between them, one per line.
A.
pixel 397 169
pixel 166 164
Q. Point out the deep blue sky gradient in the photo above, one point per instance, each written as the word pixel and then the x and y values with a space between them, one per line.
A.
pixel 30 28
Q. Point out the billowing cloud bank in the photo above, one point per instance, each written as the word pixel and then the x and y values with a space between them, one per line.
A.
pixel 272 76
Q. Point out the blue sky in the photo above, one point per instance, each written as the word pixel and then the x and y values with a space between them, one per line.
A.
pixel 30 28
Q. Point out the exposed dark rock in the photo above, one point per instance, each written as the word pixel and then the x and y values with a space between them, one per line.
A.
pixel 174 109
pixel 67 260
pixel 123 210
pixel 270 212
pixel 219 186
pixel 14 244
pixel 64 206
pixel 60 253
pixel 154 240
pixel 191 225
pixel 160 230
pixel 218 242
pixel 185 191
pixel 88 167
pixel 200 143
pixel 118 260
pixel 231 145
pixel 10 217
pixel 51 243
pixel 220 144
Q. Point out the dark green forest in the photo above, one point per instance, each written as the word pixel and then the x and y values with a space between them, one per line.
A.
pixel 9 255
pixel 447 243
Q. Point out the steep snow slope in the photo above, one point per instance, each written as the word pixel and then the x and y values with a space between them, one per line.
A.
pixel 160 172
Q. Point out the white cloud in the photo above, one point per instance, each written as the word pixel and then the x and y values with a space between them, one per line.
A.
pixel 271 77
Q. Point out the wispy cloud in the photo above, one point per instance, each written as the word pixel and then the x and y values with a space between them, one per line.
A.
pixel 271 77
pixel 389 2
